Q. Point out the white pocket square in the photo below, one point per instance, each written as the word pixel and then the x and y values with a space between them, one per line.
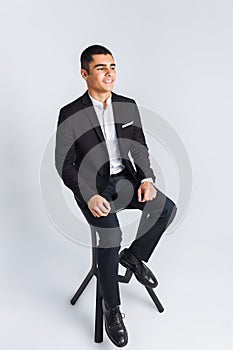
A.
pixel 127 124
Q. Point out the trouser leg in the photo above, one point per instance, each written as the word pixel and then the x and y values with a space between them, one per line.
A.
pixel 109 236
pixel 155 219
pixel 108 261
pixel 157 215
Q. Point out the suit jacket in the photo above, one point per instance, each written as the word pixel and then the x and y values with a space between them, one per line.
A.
pixel 81 155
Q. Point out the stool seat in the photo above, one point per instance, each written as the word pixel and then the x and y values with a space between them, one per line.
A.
pixel 98 336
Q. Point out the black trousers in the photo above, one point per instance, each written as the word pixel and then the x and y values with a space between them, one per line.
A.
pixel 156 216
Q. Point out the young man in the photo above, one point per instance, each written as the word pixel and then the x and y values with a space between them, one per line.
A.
pixel 102 156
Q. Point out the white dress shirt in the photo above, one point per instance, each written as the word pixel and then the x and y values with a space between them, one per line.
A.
pixel 106 120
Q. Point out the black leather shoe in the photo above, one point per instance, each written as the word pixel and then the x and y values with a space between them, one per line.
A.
pixel 114 325
pixel 143 274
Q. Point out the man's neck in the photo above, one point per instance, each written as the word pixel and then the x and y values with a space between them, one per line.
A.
pixel 102 97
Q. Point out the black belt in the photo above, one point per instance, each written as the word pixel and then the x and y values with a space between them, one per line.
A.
pixel 119 174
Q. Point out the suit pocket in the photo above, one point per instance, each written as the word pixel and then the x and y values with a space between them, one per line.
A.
pixel 127 124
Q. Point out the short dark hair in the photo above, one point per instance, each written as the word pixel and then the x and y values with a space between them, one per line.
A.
pixel 86 55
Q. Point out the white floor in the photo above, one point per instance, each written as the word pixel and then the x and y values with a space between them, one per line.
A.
pixel 41 269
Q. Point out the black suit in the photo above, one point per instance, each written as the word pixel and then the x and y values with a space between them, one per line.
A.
pixel 83 132
pixel 83 163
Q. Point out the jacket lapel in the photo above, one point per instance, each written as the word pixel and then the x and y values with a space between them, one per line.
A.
pixel 91 114
pixel 117 112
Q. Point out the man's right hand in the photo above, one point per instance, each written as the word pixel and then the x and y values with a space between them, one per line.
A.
pixel 98 206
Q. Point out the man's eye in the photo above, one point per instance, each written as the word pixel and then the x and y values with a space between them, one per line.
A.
pixel 100 68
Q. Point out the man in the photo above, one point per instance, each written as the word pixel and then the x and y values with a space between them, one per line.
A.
pixel 102 156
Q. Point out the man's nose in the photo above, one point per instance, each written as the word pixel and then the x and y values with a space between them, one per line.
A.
pixel 108 71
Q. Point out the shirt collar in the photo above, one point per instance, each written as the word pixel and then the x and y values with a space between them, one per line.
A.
pixel 99 104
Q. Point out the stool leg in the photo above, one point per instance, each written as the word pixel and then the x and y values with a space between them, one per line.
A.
pixel 82 287
pixel 98 313
pixel 155 299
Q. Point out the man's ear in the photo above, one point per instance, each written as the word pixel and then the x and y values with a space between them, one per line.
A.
pixel 84 74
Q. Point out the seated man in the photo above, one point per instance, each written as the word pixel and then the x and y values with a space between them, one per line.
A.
pixel 102 156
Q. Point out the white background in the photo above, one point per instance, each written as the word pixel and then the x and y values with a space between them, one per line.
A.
pixel 174 57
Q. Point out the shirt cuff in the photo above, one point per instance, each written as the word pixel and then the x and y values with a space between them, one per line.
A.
pixel 149 179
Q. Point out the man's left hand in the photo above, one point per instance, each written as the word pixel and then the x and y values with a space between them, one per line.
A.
pixel 146 192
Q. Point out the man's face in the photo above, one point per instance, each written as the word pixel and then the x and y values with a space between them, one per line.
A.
pixel 102 74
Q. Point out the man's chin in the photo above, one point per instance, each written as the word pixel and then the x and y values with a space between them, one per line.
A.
pixel 109 88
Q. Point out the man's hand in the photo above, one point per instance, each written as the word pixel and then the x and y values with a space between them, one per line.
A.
pixel 146 192
pixel 98 206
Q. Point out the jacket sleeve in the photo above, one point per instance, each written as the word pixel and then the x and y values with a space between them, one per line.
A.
pixel 139 150
pixel 65 161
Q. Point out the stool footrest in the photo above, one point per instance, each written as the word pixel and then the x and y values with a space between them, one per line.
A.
pixel 127 277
